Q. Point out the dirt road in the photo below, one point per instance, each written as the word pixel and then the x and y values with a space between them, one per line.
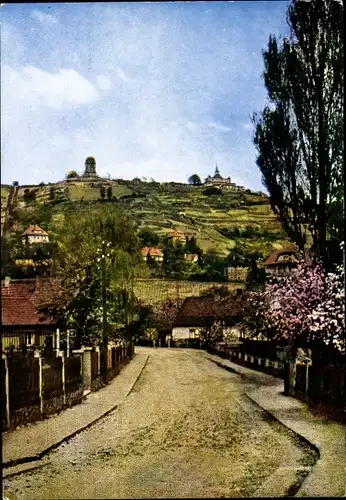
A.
pixel 186 430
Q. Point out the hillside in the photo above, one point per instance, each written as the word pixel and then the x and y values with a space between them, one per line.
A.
pixel 240 219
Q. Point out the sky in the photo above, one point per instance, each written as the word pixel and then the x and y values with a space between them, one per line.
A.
pixel 154 90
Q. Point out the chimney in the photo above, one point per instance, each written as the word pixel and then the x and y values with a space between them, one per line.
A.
pixel 7 281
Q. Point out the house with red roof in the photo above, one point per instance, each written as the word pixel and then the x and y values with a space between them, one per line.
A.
pixel 177 236
pixel 154 253
pixel 35 234
pixel 21 322
pixel 282 261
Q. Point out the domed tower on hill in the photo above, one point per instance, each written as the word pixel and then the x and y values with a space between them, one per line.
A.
pixel 90 167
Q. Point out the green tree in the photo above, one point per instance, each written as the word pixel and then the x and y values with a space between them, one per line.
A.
pixel 79 306
pixel 212 191
pixel 148 237
pixel 195 180
pixel 299 136
pixel 174 264
pixel 102 192
pixel 191 245
pixel 109 192
pixel 71 174
pixel 51 193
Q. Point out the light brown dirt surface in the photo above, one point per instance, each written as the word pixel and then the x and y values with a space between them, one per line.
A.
pixel 186 430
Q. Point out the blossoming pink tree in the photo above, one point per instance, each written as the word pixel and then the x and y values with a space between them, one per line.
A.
pixel 291 300
pixel 308 305
pixel 327 320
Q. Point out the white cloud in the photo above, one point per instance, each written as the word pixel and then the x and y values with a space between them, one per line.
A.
pixel 43 18
pixel 36 88
pixel 247 126
pixel 103 82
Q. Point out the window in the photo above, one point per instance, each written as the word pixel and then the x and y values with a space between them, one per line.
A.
pixel 192 332
pixel 29 339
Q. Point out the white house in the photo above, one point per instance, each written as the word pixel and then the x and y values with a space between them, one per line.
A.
pixel 35 234
pixel 200 312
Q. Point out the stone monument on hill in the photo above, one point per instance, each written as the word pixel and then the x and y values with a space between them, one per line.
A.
pixel 90 168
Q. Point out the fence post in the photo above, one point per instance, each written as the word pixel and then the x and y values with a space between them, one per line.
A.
pixel 79 352
pixel 63 377
pixel 307 381
pixel 40 382
pixel 7 390
pixel 57 342
pixel 97 349
pixel 87 370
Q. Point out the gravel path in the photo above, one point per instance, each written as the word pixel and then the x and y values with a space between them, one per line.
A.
pixel 186 430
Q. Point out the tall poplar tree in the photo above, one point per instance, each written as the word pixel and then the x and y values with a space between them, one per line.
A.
pixel 299 134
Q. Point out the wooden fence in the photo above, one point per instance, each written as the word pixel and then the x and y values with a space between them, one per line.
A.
pixel 35 387
pixel 321 382
pixel 273 367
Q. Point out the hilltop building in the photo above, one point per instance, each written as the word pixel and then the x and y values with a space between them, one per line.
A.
pixel 89 173
pixel 218 181
pixel 90 169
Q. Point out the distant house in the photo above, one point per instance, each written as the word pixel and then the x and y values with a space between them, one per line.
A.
pixel 199 312
pixel 21 323
pixel 35 234
pixel 154 253
pixel 177 237
pixel 191 257
pixel 282 261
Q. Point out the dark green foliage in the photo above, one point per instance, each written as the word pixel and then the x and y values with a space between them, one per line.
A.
pixel 299 137
pixel 51 193
pixel 195 180
pixel 29 196
pixel 255 277
pixel 109 192
pixel 71 174
pixel 191 246
pixel 212 191
pixel 102 192
pixel 174 265
pixel 148 237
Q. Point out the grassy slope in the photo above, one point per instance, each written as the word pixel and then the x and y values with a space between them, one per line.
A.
pixel 164 207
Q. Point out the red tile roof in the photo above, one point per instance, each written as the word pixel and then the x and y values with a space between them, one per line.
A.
pixel 22 312
pixel 273 258
pixel 153 252
pixel 20 299
pixel 34 230
pixel 176 234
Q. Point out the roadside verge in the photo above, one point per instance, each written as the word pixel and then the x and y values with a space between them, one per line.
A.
pixel 32 442
pixel 328 476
